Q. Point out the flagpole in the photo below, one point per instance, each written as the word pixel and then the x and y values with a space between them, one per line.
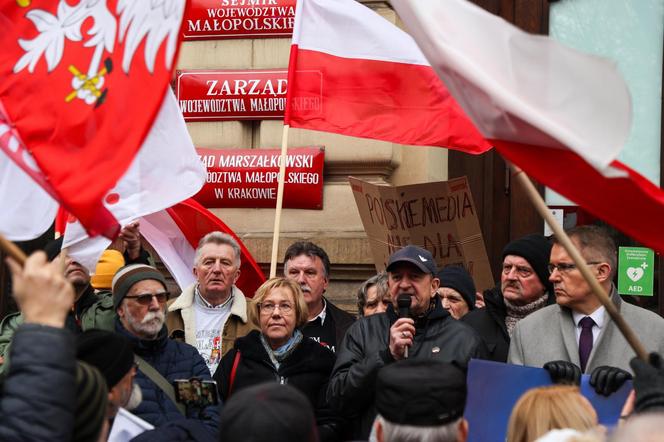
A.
pixel 280 199
pixel 12 250
pixel 580 262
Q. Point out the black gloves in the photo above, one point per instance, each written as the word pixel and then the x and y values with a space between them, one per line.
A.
pixel 606 380
pixel 648 383
pixel 563 372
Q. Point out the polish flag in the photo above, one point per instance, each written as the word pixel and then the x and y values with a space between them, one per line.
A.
pixel 560 115
pixel 80 86
pixel 28 210
pixel 166 170
pixel 174 234
pixel 354 73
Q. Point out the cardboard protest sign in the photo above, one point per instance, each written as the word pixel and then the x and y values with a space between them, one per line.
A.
pixel 439 217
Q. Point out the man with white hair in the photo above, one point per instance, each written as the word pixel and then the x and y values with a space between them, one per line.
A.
pixel 139 298
pixel 211 313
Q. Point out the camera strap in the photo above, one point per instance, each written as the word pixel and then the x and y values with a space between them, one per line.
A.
pixel 156 377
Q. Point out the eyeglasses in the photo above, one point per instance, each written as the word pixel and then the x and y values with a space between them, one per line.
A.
pixel 565 267
pixel 267 308
pixel 146 298
pixel 522 271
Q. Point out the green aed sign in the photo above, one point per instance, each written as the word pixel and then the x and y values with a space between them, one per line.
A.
pixel 636 271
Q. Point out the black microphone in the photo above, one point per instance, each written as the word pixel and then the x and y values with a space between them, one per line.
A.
pixel 403 301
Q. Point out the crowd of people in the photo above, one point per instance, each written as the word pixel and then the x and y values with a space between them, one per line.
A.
pixel 86 353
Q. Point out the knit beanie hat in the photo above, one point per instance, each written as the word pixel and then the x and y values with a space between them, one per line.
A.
pixel 91 403
pixel 110 262
pixel 110 353
pixel 457 278
pixel 535 249
pixel 129 275
pixel 268 411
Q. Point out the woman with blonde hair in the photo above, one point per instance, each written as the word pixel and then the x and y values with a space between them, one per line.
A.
pixel 543 409
pixel 279 352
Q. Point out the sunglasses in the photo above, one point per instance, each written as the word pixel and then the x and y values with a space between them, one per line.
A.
pixel 146 299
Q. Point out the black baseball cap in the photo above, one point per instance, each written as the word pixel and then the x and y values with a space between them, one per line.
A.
pixel 419 257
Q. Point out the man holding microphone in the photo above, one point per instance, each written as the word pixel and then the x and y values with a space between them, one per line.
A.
pixel 425 331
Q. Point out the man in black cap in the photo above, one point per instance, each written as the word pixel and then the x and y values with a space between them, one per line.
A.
pixel 113 356
pixel 427 332
pixel 456 291
pixel 524 289
pixel 421 400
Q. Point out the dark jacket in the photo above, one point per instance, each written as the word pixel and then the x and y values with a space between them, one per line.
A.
pixel 366 350
pixel 489 323
pixel 173 360
pixel 307 368
pixel 39 398
pixel 342 320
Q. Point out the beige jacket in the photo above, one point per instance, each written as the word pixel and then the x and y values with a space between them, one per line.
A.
pixel 181 321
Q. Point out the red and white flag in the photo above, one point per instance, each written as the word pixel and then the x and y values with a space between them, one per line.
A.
pixel 28 210
pixel 166 170
pixel 560 115
pixel 80 86
pixel 354 73
pixel 174 234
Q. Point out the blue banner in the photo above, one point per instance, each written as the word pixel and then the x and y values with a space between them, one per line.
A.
pixel 494 388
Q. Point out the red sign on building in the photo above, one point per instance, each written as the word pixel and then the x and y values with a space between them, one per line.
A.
pixel 212 95
pixel 216 19
pixel 248 178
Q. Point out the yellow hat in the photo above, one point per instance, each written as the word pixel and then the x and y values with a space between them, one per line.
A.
pixel 110 262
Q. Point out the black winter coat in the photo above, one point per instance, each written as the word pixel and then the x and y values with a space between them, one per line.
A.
pixel 307 368
pixel 39 398
pixel 173 360
pixel 489 323
pixel 365 350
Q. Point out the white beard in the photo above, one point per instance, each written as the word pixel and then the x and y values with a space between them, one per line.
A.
pixel 135 398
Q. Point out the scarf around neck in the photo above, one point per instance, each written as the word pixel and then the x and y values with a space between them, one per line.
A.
pixel 515 313
pixel 280 354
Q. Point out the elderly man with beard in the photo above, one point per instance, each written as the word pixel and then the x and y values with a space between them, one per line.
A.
pixel 139 297
pixel 524 288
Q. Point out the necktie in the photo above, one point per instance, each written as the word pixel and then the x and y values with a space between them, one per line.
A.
pixel 585 341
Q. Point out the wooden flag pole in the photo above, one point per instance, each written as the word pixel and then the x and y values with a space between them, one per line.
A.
pixel 580 262
pixel 280 200
pixel 12 250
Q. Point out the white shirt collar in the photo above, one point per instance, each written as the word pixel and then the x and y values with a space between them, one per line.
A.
pixel 322 314
pixel 598 316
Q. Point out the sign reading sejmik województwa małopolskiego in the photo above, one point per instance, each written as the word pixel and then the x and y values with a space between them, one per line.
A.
pixel 260 94
pixel 248 178
pixel 218 19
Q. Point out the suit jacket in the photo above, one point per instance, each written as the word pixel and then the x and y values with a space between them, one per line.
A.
pixel 549 335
